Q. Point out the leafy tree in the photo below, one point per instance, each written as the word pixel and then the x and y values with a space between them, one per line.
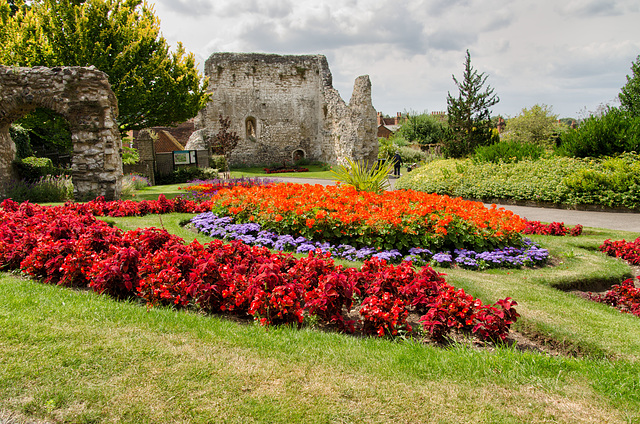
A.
pixel 423 129
pixel 469 114
pixel 153 85
pixel 630 95
pixel 536 125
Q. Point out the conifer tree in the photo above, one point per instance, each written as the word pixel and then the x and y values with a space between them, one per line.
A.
pixel 469 114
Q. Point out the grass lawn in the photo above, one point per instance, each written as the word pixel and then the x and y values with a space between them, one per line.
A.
pixel 74 356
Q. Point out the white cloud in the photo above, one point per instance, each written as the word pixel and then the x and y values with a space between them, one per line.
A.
pixel 568 56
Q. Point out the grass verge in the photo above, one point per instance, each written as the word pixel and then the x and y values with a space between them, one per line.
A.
pixel 74 356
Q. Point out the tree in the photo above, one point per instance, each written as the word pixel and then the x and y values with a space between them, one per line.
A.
pixel 469 114
pixel 153 85
pixel 536 125
pixel 630 94
pixel 423 129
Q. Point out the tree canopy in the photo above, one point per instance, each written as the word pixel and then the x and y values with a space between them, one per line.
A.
pixel 630 94
pixel 535 125
pixel 422 129
pixel 154 86
pixel 469 114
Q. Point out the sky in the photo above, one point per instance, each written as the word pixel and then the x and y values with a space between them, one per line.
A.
pixel 571 55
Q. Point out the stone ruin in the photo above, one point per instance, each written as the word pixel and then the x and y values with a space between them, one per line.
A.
pixel 285 108
pixel 83 96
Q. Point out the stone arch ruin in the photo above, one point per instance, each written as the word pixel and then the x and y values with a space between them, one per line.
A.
pixel 83 96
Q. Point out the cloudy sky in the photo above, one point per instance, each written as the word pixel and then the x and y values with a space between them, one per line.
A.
pixel 572 55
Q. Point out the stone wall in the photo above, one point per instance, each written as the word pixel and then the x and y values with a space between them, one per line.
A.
pixel 284 107
pixel 84 97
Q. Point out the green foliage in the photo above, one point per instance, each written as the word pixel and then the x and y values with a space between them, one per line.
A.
pixel 507 151
pixel 630 93
pixel 536 125
pixel 130 156
pixel 218 162
pixel 131 183
pixel 47 130
pixel 411 155
pixel 122 38
pixel 186 174
pixel 20 137
pixel 615 131
pixel 423 129
pixel 611 182
pixel 364 177
pixel 31 169
pixel 469 114
pixel 386 148
pixel 50 188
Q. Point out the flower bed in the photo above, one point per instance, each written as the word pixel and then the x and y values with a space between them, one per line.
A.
pixel 553 229
pixel 391 220
pixel 203 190
pixel 225 228
pixel 66 245
pixel 629 251
pixel 624 296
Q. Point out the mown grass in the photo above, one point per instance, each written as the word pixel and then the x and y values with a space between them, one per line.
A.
pixel 74 356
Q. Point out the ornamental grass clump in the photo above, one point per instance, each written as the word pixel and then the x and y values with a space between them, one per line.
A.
pixel 364 177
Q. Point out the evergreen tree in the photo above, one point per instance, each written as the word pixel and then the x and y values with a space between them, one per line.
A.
pixel 630 95
pixel 469 115
pixel 153 85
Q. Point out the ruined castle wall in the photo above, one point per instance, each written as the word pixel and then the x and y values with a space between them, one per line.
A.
pixel 84 97
pixel 282 106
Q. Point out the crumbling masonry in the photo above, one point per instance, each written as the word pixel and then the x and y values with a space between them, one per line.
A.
pixel 84 97
pixel 285 108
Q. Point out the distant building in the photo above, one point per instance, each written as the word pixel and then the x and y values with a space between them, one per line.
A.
pixel 388 126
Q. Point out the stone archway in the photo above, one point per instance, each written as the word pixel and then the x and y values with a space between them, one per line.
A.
pixel 84 97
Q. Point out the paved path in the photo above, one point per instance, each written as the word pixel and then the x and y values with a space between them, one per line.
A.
pixel 610 220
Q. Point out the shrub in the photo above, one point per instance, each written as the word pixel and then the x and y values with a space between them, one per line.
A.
pixel 411 155
pixel 612 182
pixel 47 189
pixel 20 137
pixel 32 168
pixel 508 151
pixel 614 132
pixel 218 162
pixel 183 175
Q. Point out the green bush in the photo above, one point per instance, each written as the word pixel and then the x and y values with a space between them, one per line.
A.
pixel 218 162
pixel 32 168
pixel 186 174
pixel 411 155
pixel 20 137
pixel 613 132
pixel 612 182
pixel 508 151
pixel 51 188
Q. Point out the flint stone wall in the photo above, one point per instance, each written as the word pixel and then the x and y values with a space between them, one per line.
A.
pixel 285 107
pixel 84 97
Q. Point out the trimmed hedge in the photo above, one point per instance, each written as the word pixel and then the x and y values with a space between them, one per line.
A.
pixel 610 182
